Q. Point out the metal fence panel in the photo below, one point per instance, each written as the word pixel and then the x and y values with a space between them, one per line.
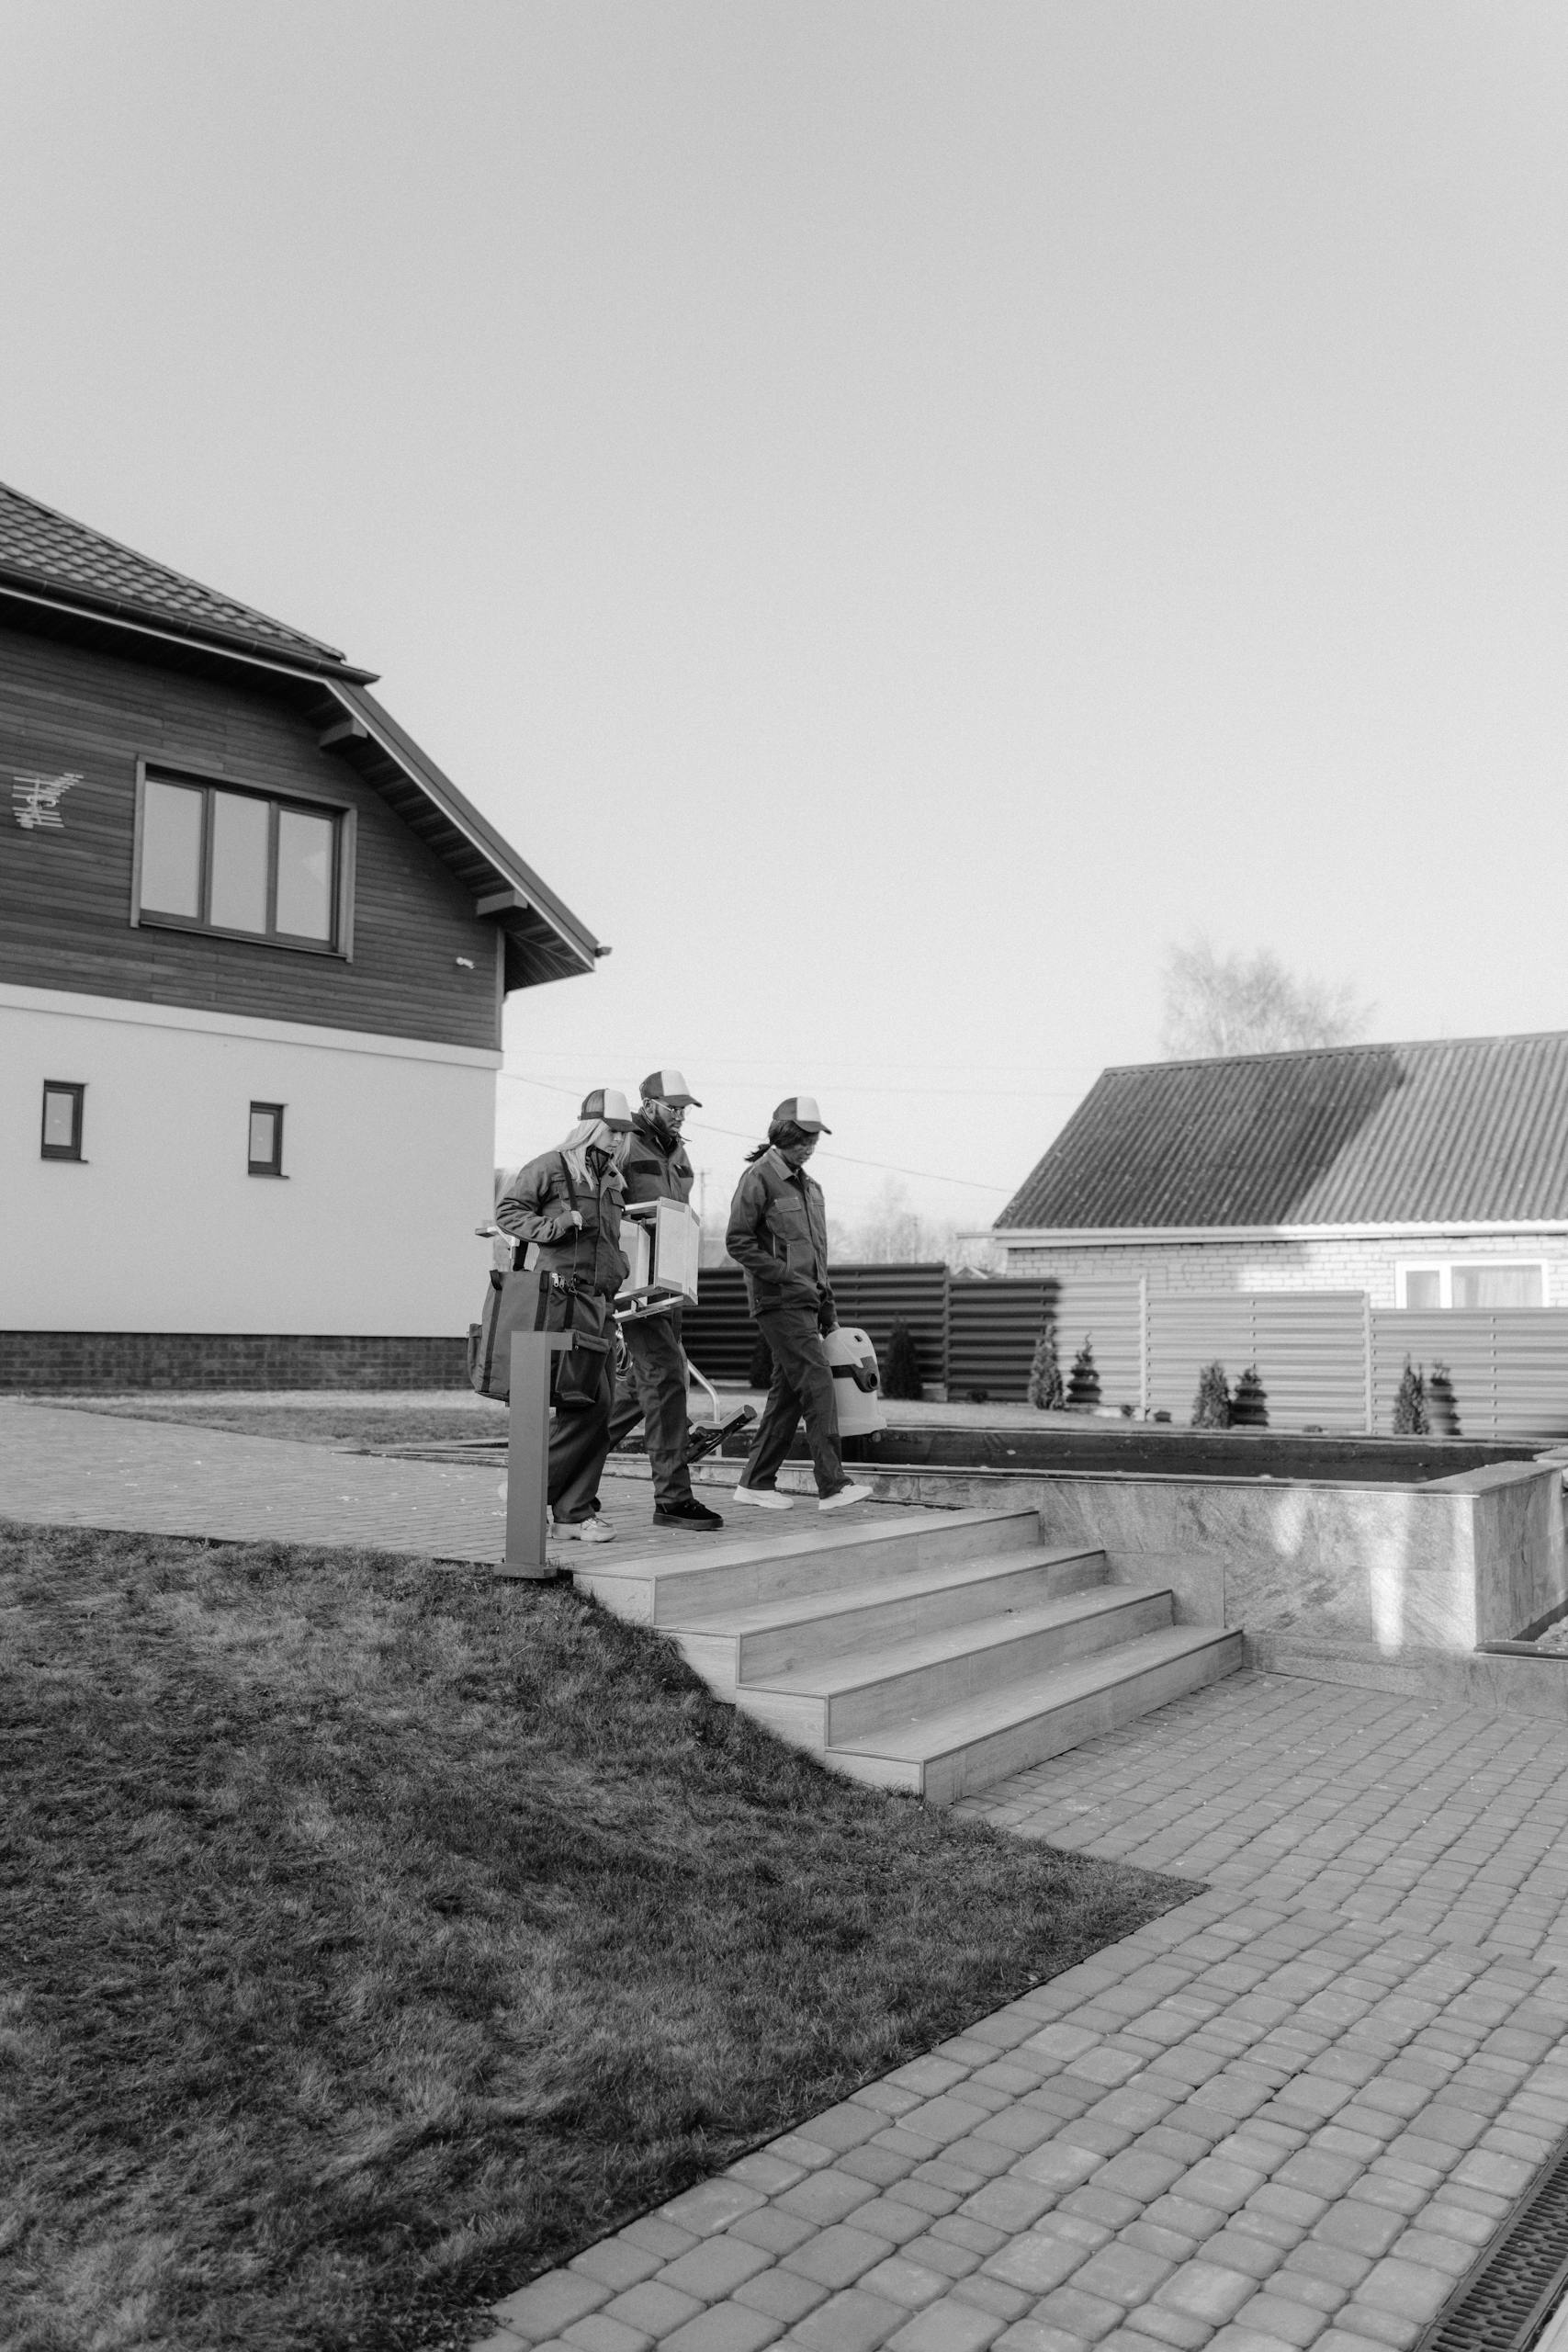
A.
pixel 991 1331
pixel 1309 1348
pixel 875 1298
pixel 1508 1367
pixel 720 1334
pixel 993 1327
pixel 717 1333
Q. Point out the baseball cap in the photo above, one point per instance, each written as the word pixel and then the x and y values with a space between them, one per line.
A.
pixel 669 1086
pixel 801 1110
pixel 607 1103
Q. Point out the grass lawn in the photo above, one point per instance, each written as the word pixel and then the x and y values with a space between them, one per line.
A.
pixel 374 1936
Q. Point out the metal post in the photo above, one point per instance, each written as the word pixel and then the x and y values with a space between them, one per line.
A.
pixel 528 1453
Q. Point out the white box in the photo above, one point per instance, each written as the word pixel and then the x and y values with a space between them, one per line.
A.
pixel 635 1249
pixel 677 1248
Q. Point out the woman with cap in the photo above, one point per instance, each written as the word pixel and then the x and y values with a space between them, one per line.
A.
pixel 778 1236
pixel 567 1204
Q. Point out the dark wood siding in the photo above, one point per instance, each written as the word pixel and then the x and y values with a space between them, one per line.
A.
pixel 65 895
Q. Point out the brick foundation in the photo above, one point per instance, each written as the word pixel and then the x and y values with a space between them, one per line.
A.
pixel 126 1360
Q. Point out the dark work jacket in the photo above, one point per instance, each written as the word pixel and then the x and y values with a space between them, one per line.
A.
pixel 778 1235
pixel 654 1169
pixel 536 1206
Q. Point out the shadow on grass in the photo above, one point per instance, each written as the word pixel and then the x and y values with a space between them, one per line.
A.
pixel 379 1935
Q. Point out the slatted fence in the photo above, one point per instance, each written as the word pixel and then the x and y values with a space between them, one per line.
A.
pixel 1325 1360
pixel 720 1334
pixel 1310 1348
pixel 992 1328
pixel 1508 1367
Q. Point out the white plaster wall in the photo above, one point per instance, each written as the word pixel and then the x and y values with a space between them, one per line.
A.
pixel 388 1153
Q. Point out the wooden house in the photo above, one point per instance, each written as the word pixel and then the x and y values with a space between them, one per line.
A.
pixel 253 951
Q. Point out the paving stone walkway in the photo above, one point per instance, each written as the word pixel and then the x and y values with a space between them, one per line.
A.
pixel 1293 2112
pixel 66 1467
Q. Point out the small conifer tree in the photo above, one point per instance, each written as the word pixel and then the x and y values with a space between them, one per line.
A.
pixel 901 1373
pixel 1410 1417
pixel 1442 1406
pixel 1249 1405
pixel 1211 1404
pixel 1045 1391
pixel 1083 1381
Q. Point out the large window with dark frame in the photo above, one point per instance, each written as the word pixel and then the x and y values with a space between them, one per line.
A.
pixel 62 1105
pixel 252 867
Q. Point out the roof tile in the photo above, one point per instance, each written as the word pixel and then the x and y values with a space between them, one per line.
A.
pixel 49 549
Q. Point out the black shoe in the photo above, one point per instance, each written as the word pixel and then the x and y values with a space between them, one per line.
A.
pixel 690 1514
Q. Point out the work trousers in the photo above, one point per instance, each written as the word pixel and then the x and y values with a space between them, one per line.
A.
pixel 653 1389
pixel 580 1440
pixel 802 1386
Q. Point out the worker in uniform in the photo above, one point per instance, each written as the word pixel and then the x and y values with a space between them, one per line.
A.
pixel 655 1167
pixel 567 1204
pixel 778 1236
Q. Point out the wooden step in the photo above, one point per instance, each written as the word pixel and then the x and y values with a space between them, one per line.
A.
pixel 926 1675
pixel 775 1562
pixel 757 1640
pixel 966 1747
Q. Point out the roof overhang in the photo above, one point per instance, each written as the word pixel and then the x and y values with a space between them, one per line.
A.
pixel 545 941
pixel 26 589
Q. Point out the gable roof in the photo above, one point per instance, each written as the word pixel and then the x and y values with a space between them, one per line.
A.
pixel 40 547
pixel 1469 1130
pixel 58 576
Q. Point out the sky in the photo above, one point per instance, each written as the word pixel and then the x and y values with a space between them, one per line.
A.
pixel 899 511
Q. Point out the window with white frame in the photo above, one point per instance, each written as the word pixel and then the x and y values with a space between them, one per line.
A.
pixel 1475 1281
pixel 214 857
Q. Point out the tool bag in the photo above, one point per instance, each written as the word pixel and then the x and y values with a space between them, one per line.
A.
pixel 537 1301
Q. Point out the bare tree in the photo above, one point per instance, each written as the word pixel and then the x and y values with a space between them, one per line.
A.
pixel 1218 1004
pixel 892 1233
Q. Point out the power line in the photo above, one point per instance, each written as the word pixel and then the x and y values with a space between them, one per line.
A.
pixel 705 1126
pixel 748 1062
pixel 957 1093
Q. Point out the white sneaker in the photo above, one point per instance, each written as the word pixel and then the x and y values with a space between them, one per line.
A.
pixel 765 1498
pixel 585 1531
pixel 844 1497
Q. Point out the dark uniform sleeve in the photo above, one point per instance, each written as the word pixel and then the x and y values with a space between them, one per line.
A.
pixel 524 1208
pixel 742 1236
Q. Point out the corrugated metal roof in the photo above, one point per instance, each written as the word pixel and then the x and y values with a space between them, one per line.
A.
pixel 50 552
pixel 1466 1129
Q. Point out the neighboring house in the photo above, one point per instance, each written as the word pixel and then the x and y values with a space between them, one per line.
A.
pixel 1426 1175
pixel 254 952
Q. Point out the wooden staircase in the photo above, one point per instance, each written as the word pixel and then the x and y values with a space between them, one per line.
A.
pixel 934 1651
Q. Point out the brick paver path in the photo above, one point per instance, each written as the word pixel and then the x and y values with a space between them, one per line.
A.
pixel 72 1468
pixel 1293 2112
pixel 1290 2113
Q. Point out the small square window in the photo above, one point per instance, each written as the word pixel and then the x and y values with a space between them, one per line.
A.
pixel 266 1139
pixel 62 1119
